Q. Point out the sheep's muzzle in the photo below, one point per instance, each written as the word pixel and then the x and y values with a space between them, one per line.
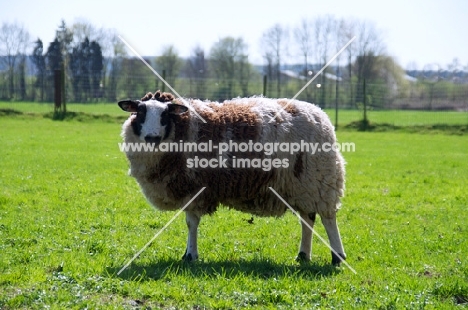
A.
pixel 153 139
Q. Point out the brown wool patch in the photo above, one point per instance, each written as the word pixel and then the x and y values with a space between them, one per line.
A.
pixel 242 184
pixel 299 165
pixel 223 185
pixel 289 108
pixel 182 125
pixel 172 168
pixel 244 123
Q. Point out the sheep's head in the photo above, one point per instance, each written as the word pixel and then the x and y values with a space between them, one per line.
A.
pixel 151 116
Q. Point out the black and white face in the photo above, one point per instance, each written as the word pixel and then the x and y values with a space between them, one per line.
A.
pixel 151 120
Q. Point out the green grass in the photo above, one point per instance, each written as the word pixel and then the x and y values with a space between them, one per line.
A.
pixel 391 117
pixel 41 108
pixel 70 218
pixel 401 117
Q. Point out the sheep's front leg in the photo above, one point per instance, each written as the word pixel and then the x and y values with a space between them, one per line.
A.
pixel 192 220
pixel 306 240
pixel 335 239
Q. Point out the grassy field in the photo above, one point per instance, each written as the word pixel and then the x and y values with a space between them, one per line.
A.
pixel 392 117
pixel 70 218
pixel 90 108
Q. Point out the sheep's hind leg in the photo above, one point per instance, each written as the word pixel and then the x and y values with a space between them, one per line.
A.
pixel 306 240
pixel 335 239
pixel 192 220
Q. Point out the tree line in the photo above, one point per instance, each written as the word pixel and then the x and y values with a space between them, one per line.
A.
pixel 96 67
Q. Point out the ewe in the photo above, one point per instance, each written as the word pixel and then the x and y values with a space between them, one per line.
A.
pixel 310 180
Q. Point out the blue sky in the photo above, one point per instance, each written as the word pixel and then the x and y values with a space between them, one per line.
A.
pixel 415 31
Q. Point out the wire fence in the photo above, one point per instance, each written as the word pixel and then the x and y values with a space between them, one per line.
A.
pixel 345 102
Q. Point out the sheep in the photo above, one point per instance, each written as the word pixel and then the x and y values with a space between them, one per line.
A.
pixel 310 182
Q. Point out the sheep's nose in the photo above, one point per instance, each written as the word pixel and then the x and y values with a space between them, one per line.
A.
pixel 153 139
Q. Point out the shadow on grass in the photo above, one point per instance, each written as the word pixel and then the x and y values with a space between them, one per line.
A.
pixel 9 112
pixel 84 117
pixel 385 127
pixel 456 291
pixel 263 269
pixel 65 116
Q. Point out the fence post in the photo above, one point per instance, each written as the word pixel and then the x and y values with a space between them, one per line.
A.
pixel 63 90
pixel 264 85
pixel 164 78
pixel 364 100
pixel 336 106
pixel 57 90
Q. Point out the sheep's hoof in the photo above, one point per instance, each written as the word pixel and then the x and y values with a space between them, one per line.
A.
pixel 337 260
pixel 302 258
pixel 188 257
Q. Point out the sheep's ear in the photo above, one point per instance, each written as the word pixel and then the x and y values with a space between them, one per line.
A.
pixel 176 109
pixel 128 105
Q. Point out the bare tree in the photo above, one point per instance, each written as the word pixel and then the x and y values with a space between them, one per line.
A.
pixel 324 32
pixel 268 69
pixel 340 42
pixel 170 63
pixel 369 46
pixel 14 42
pixel 38 59
pixel 227 56
pixel 244 71
pixel 116 56
pixel 274 44
pixel 432 74
pixel 304 39
pixel 22 78
pixel 455 73
pixel 196 69
pixel 348 29
pixel 455 68
pixel 369 49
